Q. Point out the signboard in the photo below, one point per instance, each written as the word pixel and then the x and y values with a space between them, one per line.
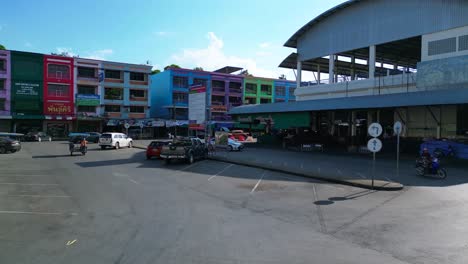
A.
pixel 127 125
pixel 397 127
pixel 88 99
pixel 142 125
pixel 374 145
pixel 375 130
pixel 58 108
pixel 197 103
pixel 26 89
pixel 158 123
pixel 218 108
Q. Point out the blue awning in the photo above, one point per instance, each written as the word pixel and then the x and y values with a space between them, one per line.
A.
pixel 439 97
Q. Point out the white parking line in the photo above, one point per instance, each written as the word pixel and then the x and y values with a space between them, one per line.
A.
pixel 360 175
pixel 339 172
pixel 387 179
pixel 223 170
pixel 191 165
pixel 28 184
pixel 36 213
pixel 132 180
pixel 258 183
pixel 25 175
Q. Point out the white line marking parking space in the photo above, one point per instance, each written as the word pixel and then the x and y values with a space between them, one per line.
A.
pixel 223 170
pixel 35 195
pixel 258 183
pixel 36 213
pixel 29 184
pixel 360 175
pixel 132 180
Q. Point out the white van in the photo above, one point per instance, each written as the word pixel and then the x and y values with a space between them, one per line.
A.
pixel 115 140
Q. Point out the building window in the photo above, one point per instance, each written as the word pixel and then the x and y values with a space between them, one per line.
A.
pixel 58 71
pixel 113 94
pixel 112 108
pixel 2 84
pixel 2 65
pixel 291 91
pixel 217 84
pixel 86 108
pixel 86 72
pixel 137 94
pixel 112 74
pixel 137 109
pixel 137 76
pixel 2 104
pixel 463 43
pixel 442 46
pixel 179 98
pixel 199 81
pixel 265 101
pixel 58 90
pixel 279 100
pixel 180 82
pixel 266 89
pixel 250 101
pixel 251 88
pixel 280 90
pixel 234 85
pixel 82 89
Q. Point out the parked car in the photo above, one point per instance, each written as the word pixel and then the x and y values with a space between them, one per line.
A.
pixel 9 145
pixel 234 145
pixel 37 136
pixel 188 149
pixel 155 147
pixel 115 140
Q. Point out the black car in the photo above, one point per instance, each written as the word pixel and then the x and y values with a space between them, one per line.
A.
pixel 9 145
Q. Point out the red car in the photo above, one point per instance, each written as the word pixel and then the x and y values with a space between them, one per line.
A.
pixel 154 148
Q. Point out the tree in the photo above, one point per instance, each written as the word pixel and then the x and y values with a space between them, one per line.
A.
pixel 172 66
pixel 155 71
pixel 63 54
pixel 282 77
pixel 2 47
pixel 198 69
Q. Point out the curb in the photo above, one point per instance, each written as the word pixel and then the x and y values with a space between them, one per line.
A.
pixel 139 147
pixel 378 184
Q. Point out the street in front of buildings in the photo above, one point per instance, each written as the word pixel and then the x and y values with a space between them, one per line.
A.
pixel 117 207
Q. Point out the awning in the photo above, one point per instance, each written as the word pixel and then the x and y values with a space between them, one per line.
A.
pixel 436 97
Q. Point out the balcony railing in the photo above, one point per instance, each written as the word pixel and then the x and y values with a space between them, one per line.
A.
pixel 219 89
pixel 217 102
pixel 235 91
pixel 401 83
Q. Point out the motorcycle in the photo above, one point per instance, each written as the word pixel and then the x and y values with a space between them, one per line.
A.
pixel 77 148
pixel 433 169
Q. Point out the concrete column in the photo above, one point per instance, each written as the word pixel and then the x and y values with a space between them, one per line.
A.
pixel 318 73
pixel 353 123
pixel 371 61
pixel 299 74
pixel 331 69
pixel 353 73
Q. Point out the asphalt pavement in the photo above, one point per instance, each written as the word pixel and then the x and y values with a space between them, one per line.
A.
pixel 113 206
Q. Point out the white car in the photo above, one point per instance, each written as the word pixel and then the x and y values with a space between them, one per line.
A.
pixel 234 145
pixel 115 140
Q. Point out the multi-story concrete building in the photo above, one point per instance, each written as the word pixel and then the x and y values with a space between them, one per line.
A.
pixel 5 89
pixel 384 64
pixel 224 91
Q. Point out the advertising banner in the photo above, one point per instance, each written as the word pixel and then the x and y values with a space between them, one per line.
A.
pixel 197 103
pixel 26 97
pixel 58 108
pixel 88 99
pixel 158 123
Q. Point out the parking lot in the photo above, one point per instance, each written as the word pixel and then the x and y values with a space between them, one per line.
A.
pixel 117 207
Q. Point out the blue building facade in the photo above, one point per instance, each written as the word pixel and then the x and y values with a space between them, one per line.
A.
pixel 284 91
pixel 170 92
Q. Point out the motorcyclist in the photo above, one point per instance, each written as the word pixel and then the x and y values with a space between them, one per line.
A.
pixel 83 143
pixel 427 159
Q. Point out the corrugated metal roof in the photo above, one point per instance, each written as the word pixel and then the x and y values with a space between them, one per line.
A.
pixel 292 41
pixel 440 97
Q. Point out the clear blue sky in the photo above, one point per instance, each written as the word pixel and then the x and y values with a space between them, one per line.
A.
pixel 206 33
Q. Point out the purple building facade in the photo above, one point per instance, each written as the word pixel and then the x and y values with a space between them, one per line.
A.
pixel 226 92
pixel 5 90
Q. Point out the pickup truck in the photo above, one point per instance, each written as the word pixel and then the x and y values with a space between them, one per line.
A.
pixel 188 149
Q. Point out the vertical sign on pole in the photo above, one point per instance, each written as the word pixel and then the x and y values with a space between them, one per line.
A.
pixel 397 128
pixel 374 144
pixel 126 125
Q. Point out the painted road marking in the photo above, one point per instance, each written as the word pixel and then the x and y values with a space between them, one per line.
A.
pixel 360 175
pixel 191 165
pixel 35 213
pixel 223 170
pixel 132 180
pixel 387 179
pixel 28 184
pixel 258 183
pixel 25 175
pixel 71 242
